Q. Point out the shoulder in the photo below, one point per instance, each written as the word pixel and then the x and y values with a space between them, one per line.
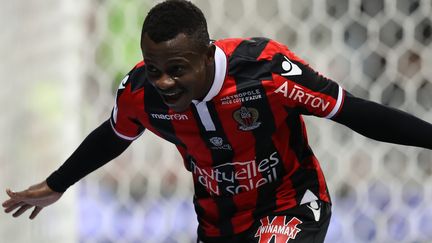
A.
pixel 242 46
pixel 260 47
pixel 136 78
pixel 132 86
pixel 254 58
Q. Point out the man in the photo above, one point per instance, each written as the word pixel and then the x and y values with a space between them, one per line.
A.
pixel 234 110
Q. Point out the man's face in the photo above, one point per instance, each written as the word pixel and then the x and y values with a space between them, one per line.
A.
pixel 178 70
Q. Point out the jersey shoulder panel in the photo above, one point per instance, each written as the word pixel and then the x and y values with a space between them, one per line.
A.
pixel 128 100
pixel 248 46
pixel 137 77
pixel 299 86
pixel 243 62
pixel 228 45
pixel 295 83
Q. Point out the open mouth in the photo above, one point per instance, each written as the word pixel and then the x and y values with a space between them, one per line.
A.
pixel 171 97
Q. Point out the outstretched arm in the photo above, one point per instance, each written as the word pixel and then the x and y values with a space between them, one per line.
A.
pixel 383 123
pixel 99 147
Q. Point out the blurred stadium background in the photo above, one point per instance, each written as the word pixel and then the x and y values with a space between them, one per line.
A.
pixel 60 64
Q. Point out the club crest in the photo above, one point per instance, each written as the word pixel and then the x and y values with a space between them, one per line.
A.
pixel 218 144
pixel 216 141
pixel 247 118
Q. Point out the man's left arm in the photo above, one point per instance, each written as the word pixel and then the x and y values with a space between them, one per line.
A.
pixel 384 123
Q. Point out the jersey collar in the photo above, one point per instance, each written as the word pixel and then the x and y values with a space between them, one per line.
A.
pixel 219 77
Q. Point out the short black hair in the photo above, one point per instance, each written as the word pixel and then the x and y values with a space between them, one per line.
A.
pixel 169 18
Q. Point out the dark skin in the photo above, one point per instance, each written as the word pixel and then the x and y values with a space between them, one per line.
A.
pixel 37 196
pixel 179 70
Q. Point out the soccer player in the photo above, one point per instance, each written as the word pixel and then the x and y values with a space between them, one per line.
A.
pixel 234 109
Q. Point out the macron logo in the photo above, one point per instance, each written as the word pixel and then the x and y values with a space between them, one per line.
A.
pixel 170 117
pixel 290 69
pixel 123 82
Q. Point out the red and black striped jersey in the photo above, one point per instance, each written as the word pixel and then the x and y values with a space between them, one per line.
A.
pixel 245 143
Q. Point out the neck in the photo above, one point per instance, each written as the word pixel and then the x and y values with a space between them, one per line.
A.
pixel 209 79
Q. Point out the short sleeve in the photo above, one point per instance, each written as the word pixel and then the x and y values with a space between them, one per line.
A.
pixel 124 120
pixel 300 87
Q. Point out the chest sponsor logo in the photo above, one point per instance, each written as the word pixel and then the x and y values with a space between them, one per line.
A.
pixel 247 117
pixel 233 178
pixel 299 95
pixel 170 117
pixel 242 97
pixel 219 144
pixel 277 230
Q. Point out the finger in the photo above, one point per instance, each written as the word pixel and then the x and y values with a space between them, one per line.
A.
pixel 5 203
pixel 22 210
pixel 9 203
pixel 9 192
pixel 12 194
pixel 13 207
pixel 35 212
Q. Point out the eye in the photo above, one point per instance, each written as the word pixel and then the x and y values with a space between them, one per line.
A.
pixel 176 71
pixel 152 70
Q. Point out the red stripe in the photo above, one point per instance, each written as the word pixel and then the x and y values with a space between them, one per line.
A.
pixel 242 220
pixel 187 131
pixel 126 104
pixel 242 145
pixel 274 47
pixel 285 194
pixel 322 183
pixel 293 99
pixel 313 163
pixel 143 116
pixel 140 64
pixel 211 217
pixel 228 45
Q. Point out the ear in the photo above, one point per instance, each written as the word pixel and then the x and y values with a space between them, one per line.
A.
pixel 210 54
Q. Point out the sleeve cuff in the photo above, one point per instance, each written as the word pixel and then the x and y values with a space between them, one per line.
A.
pixel 54 182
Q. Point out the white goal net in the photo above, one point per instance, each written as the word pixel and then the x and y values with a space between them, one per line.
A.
pixel 61 64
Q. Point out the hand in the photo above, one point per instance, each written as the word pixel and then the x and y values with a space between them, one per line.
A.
pixel 37 196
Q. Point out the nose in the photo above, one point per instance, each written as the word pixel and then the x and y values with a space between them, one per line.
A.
pixel 164 82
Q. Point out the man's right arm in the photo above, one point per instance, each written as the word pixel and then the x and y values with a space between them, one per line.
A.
pixel 98 148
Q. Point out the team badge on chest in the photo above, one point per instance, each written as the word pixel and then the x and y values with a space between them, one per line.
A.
pixel 247 117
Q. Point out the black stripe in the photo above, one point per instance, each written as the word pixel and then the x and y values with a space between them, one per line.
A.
pixel 297 140
pixel 227 154
pixel 243 62
pixel 224 202
pixel 164 127
pixel 219 156
pixel 200 213
pixel 140 127
pixel 139 78
pixel 251 48
pixel 303 178
pixel 243 56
